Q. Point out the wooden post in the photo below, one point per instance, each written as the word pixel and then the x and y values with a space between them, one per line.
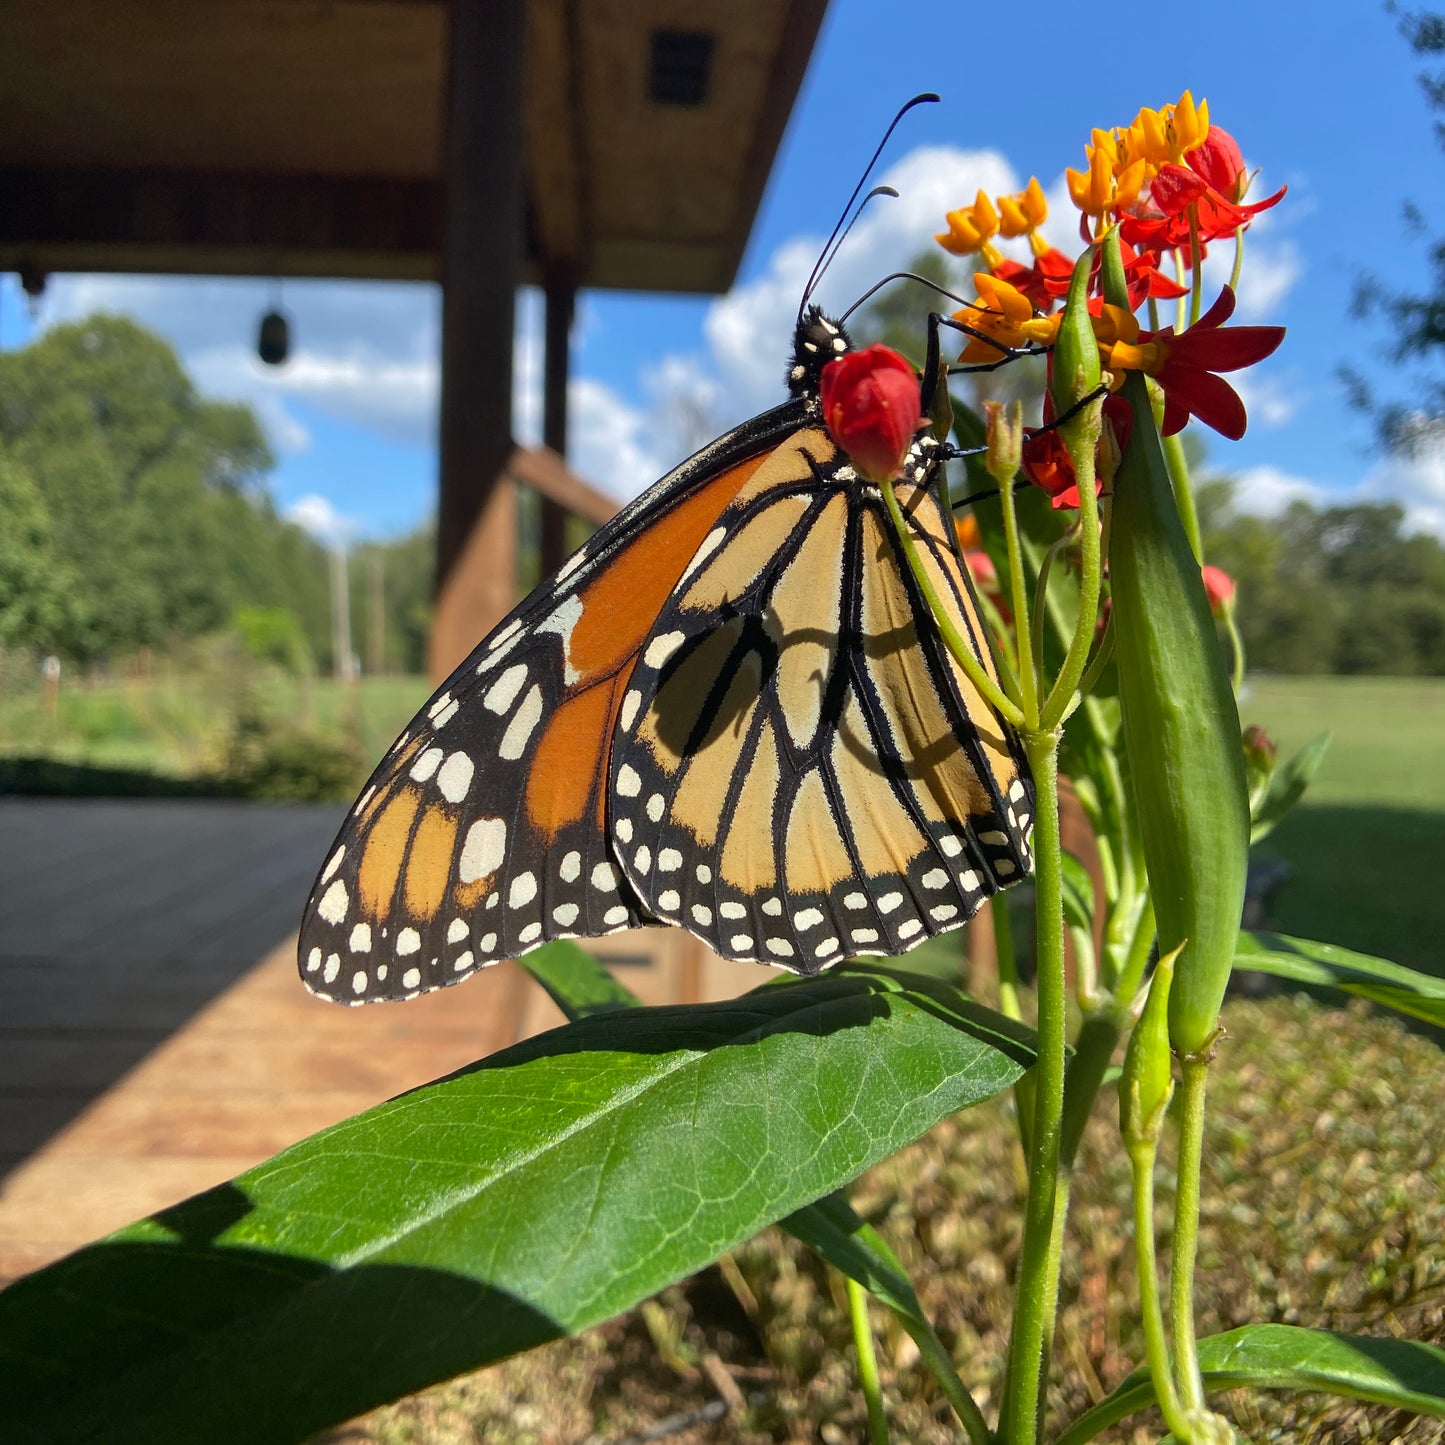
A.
pixel 481 260
pixel 561 293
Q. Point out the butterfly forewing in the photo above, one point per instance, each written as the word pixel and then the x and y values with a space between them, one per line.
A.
pixel 803 773
pixel 481 835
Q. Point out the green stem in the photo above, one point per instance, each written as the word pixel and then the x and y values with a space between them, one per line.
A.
pixel 867 1362
pixel 1080 437
pixel 1185 1244
pixel 1156 1346
pixel 1028 673
pixel 1238 259
pixel 1236 650
pixel 1100 660
pixel 940 1365
pixel 1033 1321
pixel 1178 465
pixel 1093 1050
pixel 962 653
pixel 1041 589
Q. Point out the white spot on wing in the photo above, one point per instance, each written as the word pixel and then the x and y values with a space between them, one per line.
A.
pixel 333 967
pixel 457 930
pixel 358 981
pixel 462 962
pixel 571 564
pixel 669 860
pixel 655 804
pixel 629 785
pixel 733 910
pixel 503 692
pixel 514 740
pixel 562 621
pixel 661 648
pixel 889 902
pixel 361 938
pixel 604 877
pixel 333 864
pixel 487 942
pixel 630 704
pixel 455 777
pixel 807 918
pixel 446 715
pixel 483 850
pixel 780 946
pixel 571 867
pixel 701 915
pixel 333 903
pixel 856 900
pixel 935 878
pixel 614 916
pixel 530 934
pixel 565 914
pixel 950 845
pixel 910 929
pixel 523 891
pixel 427 764
pixel 411 978
pixel 408 941
pixel 313 960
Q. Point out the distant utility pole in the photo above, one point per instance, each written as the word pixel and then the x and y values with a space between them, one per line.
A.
pixel 376 615
pixel 343 661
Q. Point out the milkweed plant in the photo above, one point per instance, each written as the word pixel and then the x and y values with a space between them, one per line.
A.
pixel 563 1181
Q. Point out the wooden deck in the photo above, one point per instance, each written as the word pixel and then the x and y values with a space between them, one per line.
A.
pixel 154 1037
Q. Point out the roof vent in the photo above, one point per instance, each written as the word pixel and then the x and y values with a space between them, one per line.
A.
pixel 681 67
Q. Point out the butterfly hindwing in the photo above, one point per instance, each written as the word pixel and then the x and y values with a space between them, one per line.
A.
pixel 481 834
pixel 803 772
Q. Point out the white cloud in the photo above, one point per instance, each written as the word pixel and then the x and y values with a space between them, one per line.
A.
pixel 361 352
pixel 1267 491
pixel 749 331
pixel 1270 400
pixel 1417 482
pixel 321 518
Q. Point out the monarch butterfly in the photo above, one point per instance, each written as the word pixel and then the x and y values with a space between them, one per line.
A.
pixel 731 710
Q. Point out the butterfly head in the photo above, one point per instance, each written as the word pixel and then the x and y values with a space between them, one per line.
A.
pixel 816 342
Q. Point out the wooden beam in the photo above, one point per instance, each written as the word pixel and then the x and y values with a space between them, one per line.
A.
pixel 561 293
pixel 481 260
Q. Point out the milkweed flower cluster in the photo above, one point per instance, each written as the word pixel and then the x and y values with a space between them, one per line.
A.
pixel 1170 184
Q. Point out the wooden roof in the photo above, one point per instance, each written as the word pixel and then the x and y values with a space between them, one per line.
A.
pixel 303 137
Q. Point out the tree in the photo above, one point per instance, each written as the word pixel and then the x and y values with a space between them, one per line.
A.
pixel 34 583
pixel 1415 319
pixel 154 496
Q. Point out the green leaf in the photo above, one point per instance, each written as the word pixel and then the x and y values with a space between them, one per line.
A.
pixel 1391 984
pixel 834 1232
pixel 1402 1374
pixel 538 1192
pixel 1287 786
pixel 577 983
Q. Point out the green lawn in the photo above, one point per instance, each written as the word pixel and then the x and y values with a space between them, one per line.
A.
pixel 178 727
pixel 1368 842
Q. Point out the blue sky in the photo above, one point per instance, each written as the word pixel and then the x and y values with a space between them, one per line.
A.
pixel 1323 99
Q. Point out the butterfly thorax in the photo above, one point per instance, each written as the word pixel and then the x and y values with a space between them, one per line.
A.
pixel 816 342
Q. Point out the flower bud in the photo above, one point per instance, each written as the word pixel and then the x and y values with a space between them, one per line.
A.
pixel 1147 1082
pixel 1075 370
pixel 1219 589
pixel 872 405
pixel 1004 429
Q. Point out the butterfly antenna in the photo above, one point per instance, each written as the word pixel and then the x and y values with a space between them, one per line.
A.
pixel 826 260
pixel 901 276
pixel 927 97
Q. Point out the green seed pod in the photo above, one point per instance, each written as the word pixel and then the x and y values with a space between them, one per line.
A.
pixel 1181 726
pixel 1147 1080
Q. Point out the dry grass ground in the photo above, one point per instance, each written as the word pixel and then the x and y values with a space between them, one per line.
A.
pixel 1326 1206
